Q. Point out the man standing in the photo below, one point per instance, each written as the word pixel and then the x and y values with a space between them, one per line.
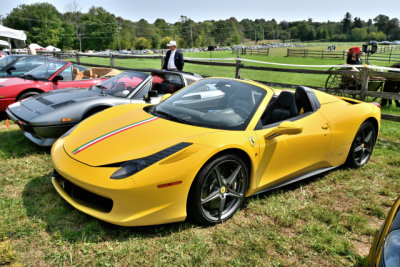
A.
pixel 173 59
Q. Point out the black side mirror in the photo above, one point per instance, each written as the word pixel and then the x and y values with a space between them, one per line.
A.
pixel 58 78
pixel 153 93
pixel 149 95
pixel 10 69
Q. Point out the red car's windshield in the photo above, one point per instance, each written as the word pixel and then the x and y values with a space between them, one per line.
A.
pixel 45 71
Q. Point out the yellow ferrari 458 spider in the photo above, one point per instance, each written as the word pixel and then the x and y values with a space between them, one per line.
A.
pixel 201 151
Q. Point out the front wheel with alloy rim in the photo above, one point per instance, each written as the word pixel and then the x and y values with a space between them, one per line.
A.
pixel 362 146
pixel 218 190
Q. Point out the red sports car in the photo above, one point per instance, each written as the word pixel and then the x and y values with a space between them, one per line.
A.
pixel 52 75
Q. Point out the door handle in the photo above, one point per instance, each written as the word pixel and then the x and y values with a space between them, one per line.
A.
pixel 325 126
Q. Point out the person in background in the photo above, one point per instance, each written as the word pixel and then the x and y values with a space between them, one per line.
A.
pixel 173 59
pixel 354 56
pixel 391 87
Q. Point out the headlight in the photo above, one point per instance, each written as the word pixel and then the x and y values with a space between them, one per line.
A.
pixel 69 131
pixel 391 249
pixel 131 167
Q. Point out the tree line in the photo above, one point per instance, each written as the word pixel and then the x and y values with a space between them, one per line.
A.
pixel 99 29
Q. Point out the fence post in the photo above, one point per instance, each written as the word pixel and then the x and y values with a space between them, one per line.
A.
pixel 237 73
pixel 390 56
pixel 344 52
pixel 364 83
pixel 112 61
pixel 78 58
pixel 163 58
pixel 287 52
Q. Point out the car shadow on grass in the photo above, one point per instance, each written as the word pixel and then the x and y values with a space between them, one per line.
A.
pixel 14 144
pixel 41 201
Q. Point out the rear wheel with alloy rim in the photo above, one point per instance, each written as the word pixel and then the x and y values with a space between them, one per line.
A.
pixel 218 190
pixel 362 146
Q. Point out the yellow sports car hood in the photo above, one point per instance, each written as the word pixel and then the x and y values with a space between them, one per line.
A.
pixel 124 133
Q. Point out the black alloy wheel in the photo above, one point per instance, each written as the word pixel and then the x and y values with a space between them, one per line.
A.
pixel 363 144
pixel 218 190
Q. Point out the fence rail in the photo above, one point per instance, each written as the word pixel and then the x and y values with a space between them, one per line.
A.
pixel 383 53
pixel 250 51
pixel 364 75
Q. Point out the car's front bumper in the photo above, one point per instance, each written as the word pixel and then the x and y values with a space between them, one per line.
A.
pixel 40 135
pixel 134 201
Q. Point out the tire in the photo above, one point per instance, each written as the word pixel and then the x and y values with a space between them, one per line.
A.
pixel 362 146
pixel 218 190
pixel 26 95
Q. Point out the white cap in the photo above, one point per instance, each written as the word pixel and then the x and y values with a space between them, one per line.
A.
pixel 172 43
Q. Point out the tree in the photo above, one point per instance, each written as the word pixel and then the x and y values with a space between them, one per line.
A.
pixel 359 34
pixel 142 43
pixel 392 27
pixel 73 16
pixel 381 21
pixel 128 34
pixel 41 21
pixel 164 41
pixel 347 23
pixel 100 29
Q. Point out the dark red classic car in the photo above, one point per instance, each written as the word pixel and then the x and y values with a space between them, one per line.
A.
pixel 56 74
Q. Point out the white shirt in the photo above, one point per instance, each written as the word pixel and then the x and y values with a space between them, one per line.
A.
pixel 171 61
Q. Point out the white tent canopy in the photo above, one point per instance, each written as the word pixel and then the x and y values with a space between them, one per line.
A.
pixel 11 33
pixel 52 48
pixel 15 37
pixel 35 46
pixel 4 43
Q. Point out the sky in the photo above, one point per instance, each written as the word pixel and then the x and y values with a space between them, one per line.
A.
pixel 171 10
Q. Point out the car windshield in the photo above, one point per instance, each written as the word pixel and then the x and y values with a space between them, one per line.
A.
pixel 213 103
pixel 6 60
pixel 123 84
pixel 45 71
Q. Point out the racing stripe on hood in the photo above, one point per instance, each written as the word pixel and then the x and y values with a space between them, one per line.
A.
pixel 105 136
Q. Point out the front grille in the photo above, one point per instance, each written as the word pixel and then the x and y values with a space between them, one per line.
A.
pixel 83 196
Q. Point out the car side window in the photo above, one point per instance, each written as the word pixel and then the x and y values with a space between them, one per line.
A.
pixel 67 73
pixel 174 79
pixel 143 91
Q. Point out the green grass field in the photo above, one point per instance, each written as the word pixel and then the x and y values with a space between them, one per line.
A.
pixel 328 220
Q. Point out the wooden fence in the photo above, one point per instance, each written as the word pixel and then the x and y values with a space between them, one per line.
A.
pixel 364 75
pixel 250 51
pixel 384 53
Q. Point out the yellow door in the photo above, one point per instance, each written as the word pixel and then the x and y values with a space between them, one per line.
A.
pixel 288 156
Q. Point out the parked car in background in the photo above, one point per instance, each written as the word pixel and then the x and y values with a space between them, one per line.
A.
pixel 396 42
pixel 46 117
pixel 384 43
pixel 55 74
pixel 385 248
pixel 15 65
